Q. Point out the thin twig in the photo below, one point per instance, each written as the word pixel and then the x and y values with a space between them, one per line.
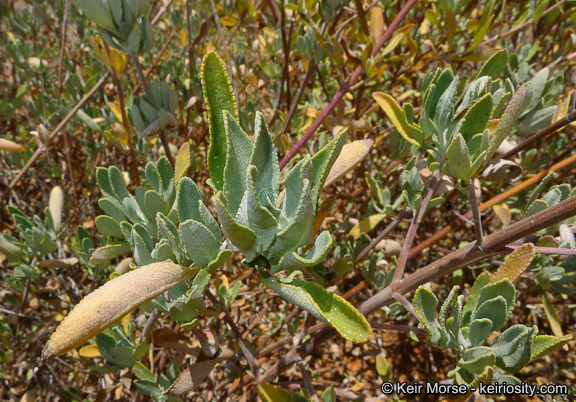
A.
pixel 488 204
pixel 62 45
pixel 307 382
pixel 394 327
pixel 475 212
pixel 416 220
pixel 383 234
pixel 247 354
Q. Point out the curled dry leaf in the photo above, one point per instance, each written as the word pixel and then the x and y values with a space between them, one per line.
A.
pixel 502 170
pixel 56 206
pixel 196 374
pixel 7 145
pixel 351 154
pixel 112 301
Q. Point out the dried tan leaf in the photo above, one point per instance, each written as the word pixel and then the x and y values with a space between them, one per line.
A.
pixel 112 301
pixel 7 145
pixel 351 154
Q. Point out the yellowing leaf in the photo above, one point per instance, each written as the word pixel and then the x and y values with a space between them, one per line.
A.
pixel 503 212
pixel 552 317
pixel 395 114
pixel 493 124
pixel 515 264
pixel 377 23
pixel 483 54
pixel 563 108
pixel 183 36
pixel 351 154
pixel 272 393
pixel 366 225
pixel 182 162
pixel 7 145
pixel 228 21
pixel 323 212
pixel 90 351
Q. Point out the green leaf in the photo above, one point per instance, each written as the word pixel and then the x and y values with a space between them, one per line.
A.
pixel 325 306
pixel 298 232
pixel 480 329
pixel 259 219
pixel 265 158
pixel 503 287
pixel 445 309
pixel 12 250
pixel 238 152
pixel 329 395
pixel 493 309
pixel 292 260
pixel 187 198
pixel 535 207
pixel 382 368
pixel 106 253
pixel 241 236
pixel 141 248
pixel 154 204
pixel 112 208
pixel 117 183
pixel 477 118
pixel 474 360
pixel 199 242
pixel 425 304
pixel 219 261
pixel 142 372
pixel 109 226
pixel 545 344
pixel 374 189
pixel 513 347
pixel 495 65
pixel 396 115
pixel 153 176
pixel 514 109
pixel 459 159
pixel 219 97
pixel 445 106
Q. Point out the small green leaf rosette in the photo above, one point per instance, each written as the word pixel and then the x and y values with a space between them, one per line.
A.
pixel 489 305
pixel 123 22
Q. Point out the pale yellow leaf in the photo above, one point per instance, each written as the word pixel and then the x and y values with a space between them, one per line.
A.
pixel 7 145
pixel 90 351
pixel 366 225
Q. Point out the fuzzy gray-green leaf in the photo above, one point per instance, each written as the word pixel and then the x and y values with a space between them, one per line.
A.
pixel 513 349
pixel 238 151
pixel 241 236
pixel 292 260
pixel 199 242
pixel 219 97
pixel 459 159
pixel 425 304
pixel 325 306
pixel 265 158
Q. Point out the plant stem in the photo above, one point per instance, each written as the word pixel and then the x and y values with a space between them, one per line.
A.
pixel 416 220
pixel 307 382
pixel 62 45
pixel 382 234
pixel 144 83
pixel 475 212
pixel 237 334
